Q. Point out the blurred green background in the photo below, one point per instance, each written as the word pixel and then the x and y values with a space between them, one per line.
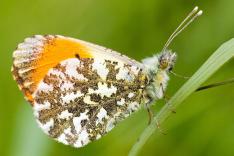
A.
pixel 203 125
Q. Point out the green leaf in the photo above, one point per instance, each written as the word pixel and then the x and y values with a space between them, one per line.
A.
pixel 224 53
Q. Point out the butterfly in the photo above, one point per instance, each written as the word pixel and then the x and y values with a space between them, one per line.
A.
pixel 79 90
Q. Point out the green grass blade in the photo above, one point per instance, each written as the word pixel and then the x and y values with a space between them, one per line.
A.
pixel 224 53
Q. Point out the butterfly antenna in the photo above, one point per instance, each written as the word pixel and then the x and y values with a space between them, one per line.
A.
pixel 187 21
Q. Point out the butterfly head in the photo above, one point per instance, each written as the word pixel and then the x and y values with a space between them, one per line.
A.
pixel 164 61
pixel 158 68
pixel 167 60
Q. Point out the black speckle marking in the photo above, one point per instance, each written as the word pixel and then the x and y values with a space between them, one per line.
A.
pixel 95 97
pixel 77 56
pixel 83 122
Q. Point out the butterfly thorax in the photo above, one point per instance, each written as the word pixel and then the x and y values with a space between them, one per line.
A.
pixel 158 68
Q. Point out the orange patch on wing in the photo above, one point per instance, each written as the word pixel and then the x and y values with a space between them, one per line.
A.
pixel 29 97
pixel 55 51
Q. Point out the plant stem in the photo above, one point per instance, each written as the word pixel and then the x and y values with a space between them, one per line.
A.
pixel 215 84
pixel 224 53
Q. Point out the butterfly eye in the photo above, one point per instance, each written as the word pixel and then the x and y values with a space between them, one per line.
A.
pixel 163 64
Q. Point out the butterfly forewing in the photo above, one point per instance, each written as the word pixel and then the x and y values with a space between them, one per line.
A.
pixel 81 94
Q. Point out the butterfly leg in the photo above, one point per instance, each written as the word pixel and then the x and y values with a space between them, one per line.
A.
pixel 150 114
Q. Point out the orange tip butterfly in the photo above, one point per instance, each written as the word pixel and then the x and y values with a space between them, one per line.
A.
pixel 79 91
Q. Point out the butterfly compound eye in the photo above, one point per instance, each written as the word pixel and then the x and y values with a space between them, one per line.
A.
pixel 167 60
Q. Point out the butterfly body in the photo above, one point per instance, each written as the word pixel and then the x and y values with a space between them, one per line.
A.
pixel 79 91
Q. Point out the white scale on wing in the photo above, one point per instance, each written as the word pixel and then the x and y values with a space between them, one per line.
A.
pixel 103 90
pixel 83 136
pixel 56 72
pixel 83 139
pixel 71 68
pixel 38 107
pixel 121 102
pixel 130 95
pixel 47 126
pixel 62 138
pixel 70 96
pixel 77 121
pixel 65 115
pixel 87 100
pixel 123 74
pixel 44 87
pixel 67 85
pixel 100 67
pixel 102 114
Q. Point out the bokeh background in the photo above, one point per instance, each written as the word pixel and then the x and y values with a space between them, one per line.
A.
pixel 203 124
